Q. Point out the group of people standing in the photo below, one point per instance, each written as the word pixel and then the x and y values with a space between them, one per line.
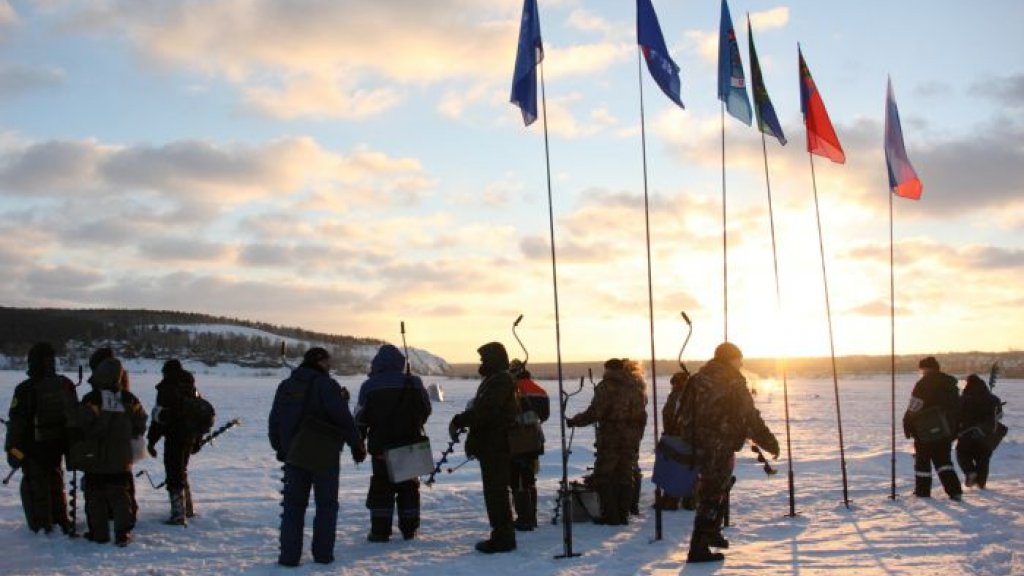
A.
pixel 937 415
pixel 102 435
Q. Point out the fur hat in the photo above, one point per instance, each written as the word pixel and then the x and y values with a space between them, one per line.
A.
pixel 929 363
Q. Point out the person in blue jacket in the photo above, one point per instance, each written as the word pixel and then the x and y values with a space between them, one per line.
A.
pixel 328 402
pixel 392 409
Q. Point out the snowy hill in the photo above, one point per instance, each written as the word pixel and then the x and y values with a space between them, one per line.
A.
pixel 212 345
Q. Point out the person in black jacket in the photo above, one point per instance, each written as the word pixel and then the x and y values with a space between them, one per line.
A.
pixel 392 409
pixel 170 422
pixel 36 439
pixel 937 392
pixel 978 410
pixel 534 405
pixel 310 391
pixel 112 416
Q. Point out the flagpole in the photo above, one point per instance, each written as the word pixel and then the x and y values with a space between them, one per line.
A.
pixel 566 499
pixel 650 289
pixel 784 360
pixel 831 341
pixel 892 354
pixel 725 239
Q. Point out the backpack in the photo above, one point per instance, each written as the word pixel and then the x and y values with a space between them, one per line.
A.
pixel 51 405
pixel 197 414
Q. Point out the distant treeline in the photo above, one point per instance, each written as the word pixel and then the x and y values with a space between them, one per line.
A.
pixel 151 334
pixel 959 364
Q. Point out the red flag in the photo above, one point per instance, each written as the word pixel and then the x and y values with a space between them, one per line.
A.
pixel 821 136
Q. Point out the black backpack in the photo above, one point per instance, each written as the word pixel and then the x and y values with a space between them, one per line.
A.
pixel 52 402
pixel 197 414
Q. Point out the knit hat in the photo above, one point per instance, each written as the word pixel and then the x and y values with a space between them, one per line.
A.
pixel 728 351
pixel 929 363
pixel 614 364
pixel 172 365
pixel 315 355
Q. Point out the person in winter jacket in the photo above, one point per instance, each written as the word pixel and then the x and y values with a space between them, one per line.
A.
pixel 36 439
pixel 619 413
pixel 534 405
pixel 979 410
pixel 489 416
pixel 170 422
pixel 392 409
pixel 717 416
pixel 936 393
pixel 637 371
pixel 113 417
pixel 310 391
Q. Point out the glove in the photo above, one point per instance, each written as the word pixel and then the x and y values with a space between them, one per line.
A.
pixel 455 427
pixel 571 422
pixel 772 447
pixel 151 448
pixel 345 396
pixel 197 446
pixel 358 453
pixel 14 458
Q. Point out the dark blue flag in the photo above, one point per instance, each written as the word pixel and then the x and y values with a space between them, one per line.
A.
pixel 528 55
pixel 767 121
pixel 648 34
pixel 732 86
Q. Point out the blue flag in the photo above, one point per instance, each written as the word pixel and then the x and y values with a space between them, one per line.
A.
pixel 767 121
pixel 732 87
pixel 528 55
pixel 648 35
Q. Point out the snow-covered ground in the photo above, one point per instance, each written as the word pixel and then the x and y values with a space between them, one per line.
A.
pixel 236 483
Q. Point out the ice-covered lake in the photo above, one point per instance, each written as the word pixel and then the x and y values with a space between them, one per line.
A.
pixel 236 485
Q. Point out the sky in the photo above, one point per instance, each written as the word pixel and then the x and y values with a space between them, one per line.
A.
pixel 345 166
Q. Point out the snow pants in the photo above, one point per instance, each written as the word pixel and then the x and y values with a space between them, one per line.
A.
pixel 42 489
pixel 297 484
pixel 937 454
pixel 107 498
pixel 494 471
pixel 177 451
pixel 973 456
pixel 384 496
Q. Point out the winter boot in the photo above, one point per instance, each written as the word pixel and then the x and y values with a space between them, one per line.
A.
pixel 923 484
pixel 521 501
pixel 634 501
pixel 950 482
pixel 380 526
pixel 626 500
pixel 189 511
pixel 716 540
pixel 493 545
pixel 177 508
pixel 700 540
pixel 608 495
pixel 971 479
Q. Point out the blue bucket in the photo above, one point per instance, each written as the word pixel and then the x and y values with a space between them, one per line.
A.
pixel 674 470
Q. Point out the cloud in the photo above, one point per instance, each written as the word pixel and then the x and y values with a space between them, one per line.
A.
pixel 183 249
pixel 8 16
pixel 586 21
pixel 772 18
pixel 17 80
pixel 320 96
pixel 1006 91
pixel 206 174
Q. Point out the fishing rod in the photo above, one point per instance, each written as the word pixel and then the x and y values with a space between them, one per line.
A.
pixel 525 351
pixel 993 374
pixel 765 465
pixel 564 488
pixel 408 361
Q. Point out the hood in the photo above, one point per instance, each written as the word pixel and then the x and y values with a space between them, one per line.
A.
pixel 388 359
pixel 975 386
pixel 108 375
pixel 41 360
pixel 493 358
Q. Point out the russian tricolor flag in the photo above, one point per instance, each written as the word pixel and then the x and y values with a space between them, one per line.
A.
pixel 903 180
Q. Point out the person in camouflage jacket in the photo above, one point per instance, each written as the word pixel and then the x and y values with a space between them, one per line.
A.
pixel 717 416
pixel 618 410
